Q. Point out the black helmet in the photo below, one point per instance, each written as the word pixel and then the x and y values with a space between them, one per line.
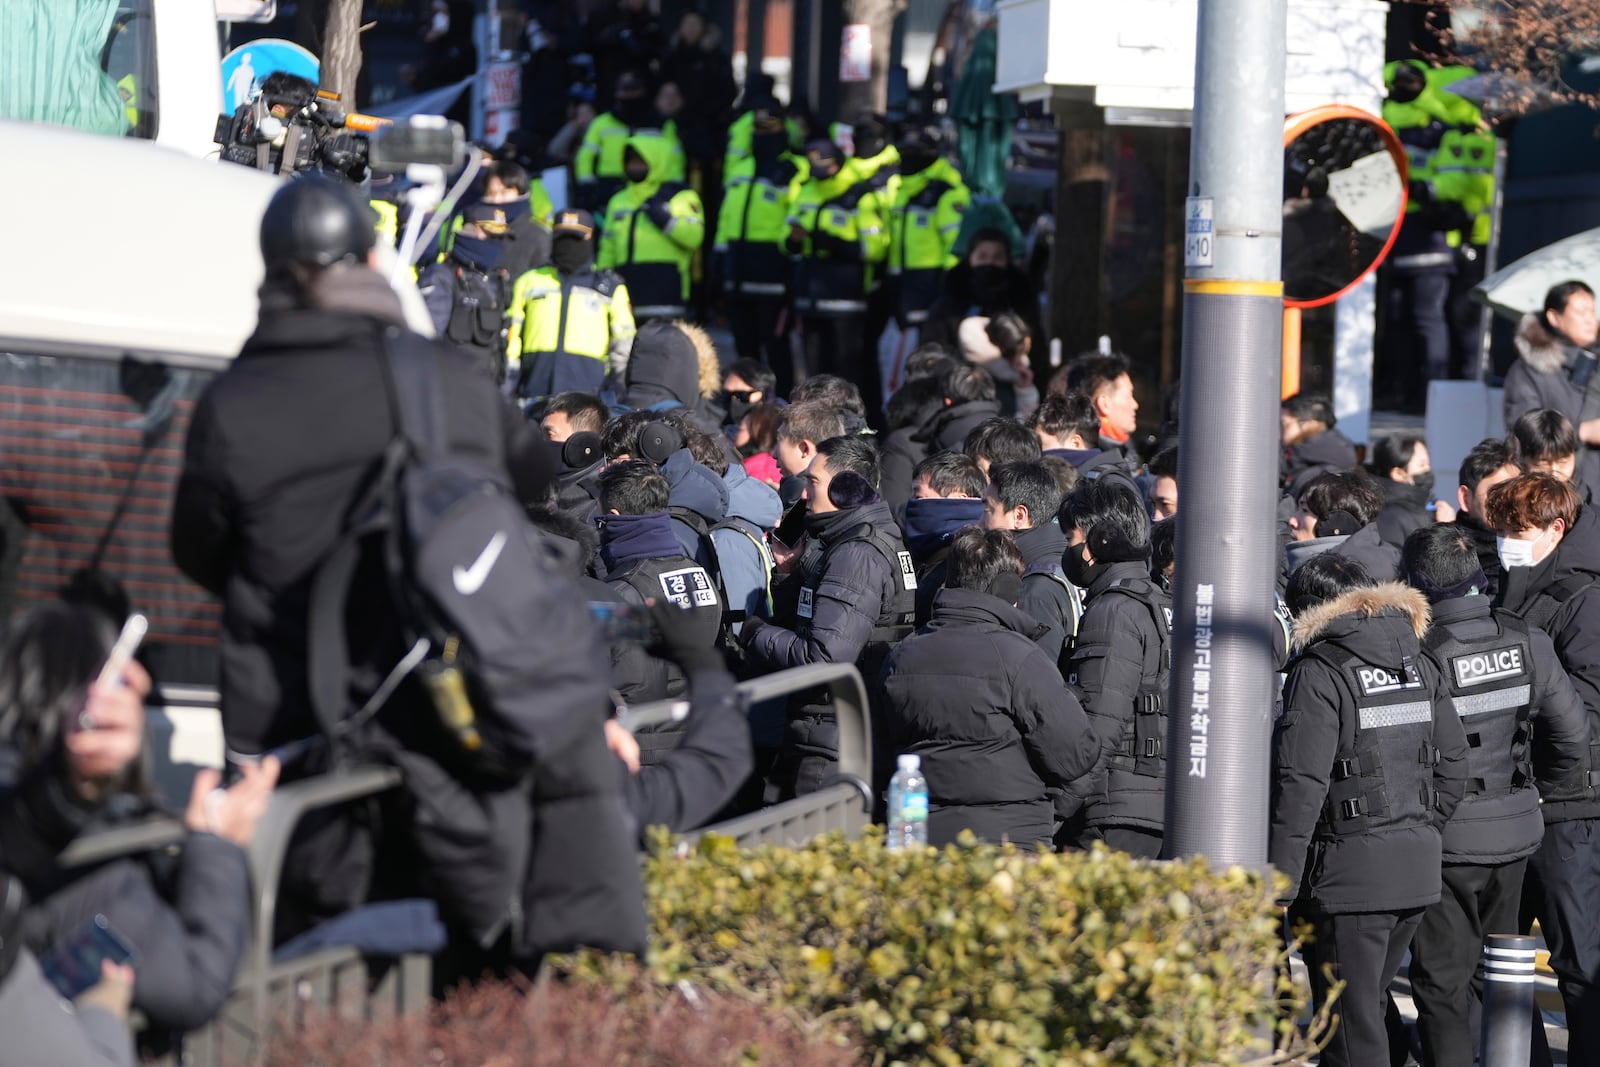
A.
pixel 316 220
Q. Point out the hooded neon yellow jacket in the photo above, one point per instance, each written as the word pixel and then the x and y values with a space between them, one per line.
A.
pixel 650 232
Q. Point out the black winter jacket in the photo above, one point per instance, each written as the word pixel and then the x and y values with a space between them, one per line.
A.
pixel 1330 450
pixel 900 456
pixel 1386 868
pixel 1498 827
pixel 1380 559
pixel 1118 649
pixel 1405 510
pixel 1043 597
pixel 947 431
pixel 1575 627
pixel 974 696
pixel 691 783
pixel 853 587
pixel 281 446
pixel 856 589
pixel 1486 544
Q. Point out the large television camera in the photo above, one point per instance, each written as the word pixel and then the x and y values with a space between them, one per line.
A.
pixel 291 125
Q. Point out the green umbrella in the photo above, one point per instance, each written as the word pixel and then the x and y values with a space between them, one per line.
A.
pixel 984 122
pixel 984 119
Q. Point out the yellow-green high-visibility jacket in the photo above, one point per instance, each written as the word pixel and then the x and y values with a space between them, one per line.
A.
pixel 1457 110
pixel 598 164
pixel 388 226
pixel 540 205
pixel 568 331
pixel 649 234
pixel 882 170
pixel 739 161
pixel 1463 171
pixel 923 226
pixel 846 239
pixel 752 224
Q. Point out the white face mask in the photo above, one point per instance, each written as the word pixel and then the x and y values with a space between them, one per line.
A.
pixel 1516 552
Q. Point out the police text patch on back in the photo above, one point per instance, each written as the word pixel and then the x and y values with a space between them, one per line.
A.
pixel 1478 668
pixel 1376 681
pixel 689 588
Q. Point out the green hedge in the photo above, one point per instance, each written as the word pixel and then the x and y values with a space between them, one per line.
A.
pixel 981 955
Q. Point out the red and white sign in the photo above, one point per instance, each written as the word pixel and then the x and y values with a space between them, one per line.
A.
pixel 855 54
pixel 502 86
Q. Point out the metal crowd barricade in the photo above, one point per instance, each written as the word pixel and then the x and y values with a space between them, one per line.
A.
pixel 845 803
pixel 332 981
pixel 337 981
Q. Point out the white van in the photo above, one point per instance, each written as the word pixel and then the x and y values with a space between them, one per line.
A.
pixel 133 282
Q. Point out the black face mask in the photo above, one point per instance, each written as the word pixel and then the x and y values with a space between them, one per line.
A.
pixel 1424 482
pixel 1405 92
pixel 739 406
pixel 1077 569
pixel 769 146
pixel 570 253
pixel 989 284
pixel 637 173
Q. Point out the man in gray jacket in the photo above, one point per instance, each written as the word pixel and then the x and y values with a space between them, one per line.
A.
pixel 1557 370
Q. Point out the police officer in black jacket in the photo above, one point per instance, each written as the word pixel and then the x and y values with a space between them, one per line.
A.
pixel 1119 666
pixel 1369 762
pixel 1527 734
pixel 1490 462
pixel 1550 547
pixel 1023 497
pixel 642 561
pixel 974 695
pixel 852 594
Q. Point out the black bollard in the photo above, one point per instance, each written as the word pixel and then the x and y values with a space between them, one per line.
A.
pixel 1508 987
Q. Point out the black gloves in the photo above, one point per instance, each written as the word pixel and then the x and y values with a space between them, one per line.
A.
pixel 748 629
pixel 659 212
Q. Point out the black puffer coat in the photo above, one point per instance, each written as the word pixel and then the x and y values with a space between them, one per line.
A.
pixel 974 696
pixel 1118 653
pixel 947 431
pixel 1395 863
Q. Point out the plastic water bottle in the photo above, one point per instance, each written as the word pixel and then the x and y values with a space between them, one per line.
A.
pixel 908 805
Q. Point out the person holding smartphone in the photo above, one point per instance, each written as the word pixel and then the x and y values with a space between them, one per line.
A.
pixel 183 918
pixel 60 760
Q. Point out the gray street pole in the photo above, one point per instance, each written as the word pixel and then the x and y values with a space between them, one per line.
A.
pixel 1220 705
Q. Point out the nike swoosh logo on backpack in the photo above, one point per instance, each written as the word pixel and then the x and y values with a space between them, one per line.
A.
pixel 471 579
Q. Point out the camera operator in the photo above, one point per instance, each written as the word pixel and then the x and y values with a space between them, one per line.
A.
pixel 282 447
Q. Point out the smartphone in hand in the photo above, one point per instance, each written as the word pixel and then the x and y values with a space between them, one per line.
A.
pixel 792 527
pixel 73 965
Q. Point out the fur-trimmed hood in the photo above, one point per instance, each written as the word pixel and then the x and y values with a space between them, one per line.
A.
pixel 1540 347
pixel 1368 602
pixel 705 350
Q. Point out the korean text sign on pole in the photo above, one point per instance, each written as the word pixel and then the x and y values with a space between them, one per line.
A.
pixel 1220 704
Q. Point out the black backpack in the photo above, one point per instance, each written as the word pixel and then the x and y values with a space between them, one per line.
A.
pixel 508 665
